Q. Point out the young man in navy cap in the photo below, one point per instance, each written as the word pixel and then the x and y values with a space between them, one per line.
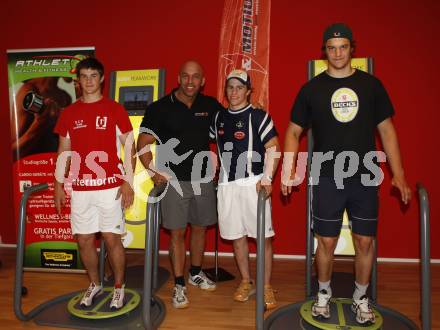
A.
pixel 247 142
pixel 344 107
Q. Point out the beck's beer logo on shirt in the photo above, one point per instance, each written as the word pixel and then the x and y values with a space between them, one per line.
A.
pixel 344 104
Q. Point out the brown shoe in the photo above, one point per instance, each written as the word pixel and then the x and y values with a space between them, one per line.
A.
pixel 244 291
pixel 269 297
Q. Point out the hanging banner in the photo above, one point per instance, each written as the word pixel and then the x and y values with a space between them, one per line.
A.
pixel 135 90
pixel 345 242
pixel 244 44
pixel 41 85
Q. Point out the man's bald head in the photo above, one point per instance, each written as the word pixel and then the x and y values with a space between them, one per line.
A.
pixel 191 65
pixel 190 79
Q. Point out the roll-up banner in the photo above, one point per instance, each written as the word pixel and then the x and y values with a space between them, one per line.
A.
pixel 41 85
pixel 345 242
pixel 244 44
pixel 135 90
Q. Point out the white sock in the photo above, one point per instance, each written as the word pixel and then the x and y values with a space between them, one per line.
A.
pixel 325 286
pixel 359 290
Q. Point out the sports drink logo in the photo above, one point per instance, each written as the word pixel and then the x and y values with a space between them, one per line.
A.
pixel 344 104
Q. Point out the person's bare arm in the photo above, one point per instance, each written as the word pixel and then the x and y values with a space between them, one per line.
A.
pixel 61 172
pixel 271 161
pixel 144 143
pixel 126 190
pixel 291 146
pixel 390 144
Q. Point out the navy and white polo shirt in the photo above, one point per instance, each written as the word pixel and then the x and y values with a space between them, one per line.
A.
pixel 241 136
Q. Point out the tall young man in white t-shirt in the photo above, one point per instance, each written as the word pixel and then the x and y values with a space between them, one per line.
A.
pixel 91 133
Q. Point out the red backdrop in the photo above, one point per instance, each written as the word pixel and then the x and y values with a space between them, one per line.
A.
pixel 401 36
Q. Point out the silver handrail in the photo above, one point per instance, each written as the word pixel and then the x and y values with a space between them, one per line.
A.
pixel 309 235
pixel 425 257
pixel 102 256
pixel 261 224
pixel 156 243
pixel 151 236
pixel 20 255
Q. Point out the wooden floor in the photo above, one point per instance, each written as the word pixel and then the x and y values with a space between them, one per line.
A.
pixel 398 289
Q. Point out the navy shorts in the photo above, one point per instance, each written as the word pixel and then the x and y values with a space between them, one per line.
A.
pixel 329 203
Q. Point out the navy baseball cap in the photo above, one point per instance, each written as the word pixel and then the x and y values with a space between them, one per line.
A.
pixel 337 30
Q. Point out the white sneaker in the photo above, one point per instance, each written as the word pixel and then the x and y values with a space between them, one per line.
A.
pixel 321 306
pixel 179 298
pixel 118 298
pixel 92 291
pixel 363 311
pixel 202 281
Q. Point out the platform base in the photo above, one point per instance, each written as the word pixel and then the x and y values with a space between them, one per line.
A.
pixel 289 318
pixel 341 316
pixel 57 315
pixel 100 309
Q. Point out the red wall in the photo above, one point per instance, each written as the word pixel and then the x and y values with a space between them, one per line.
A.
pixel 401 36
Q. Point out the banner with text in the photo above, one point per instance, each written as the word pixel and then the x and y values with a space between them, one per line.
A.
pixel 244 44
pixel 41 85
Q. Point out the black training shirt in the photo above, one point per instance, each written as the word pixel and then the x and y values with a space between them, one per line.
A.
pixel 169 118
pixel 343 114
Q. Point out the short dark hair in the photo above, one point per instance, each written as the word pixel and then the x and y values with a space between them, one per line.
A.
pixel 90 63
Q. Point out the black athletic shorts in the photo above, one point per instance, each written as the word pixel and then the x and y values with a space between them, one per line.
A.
pixel 329 203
